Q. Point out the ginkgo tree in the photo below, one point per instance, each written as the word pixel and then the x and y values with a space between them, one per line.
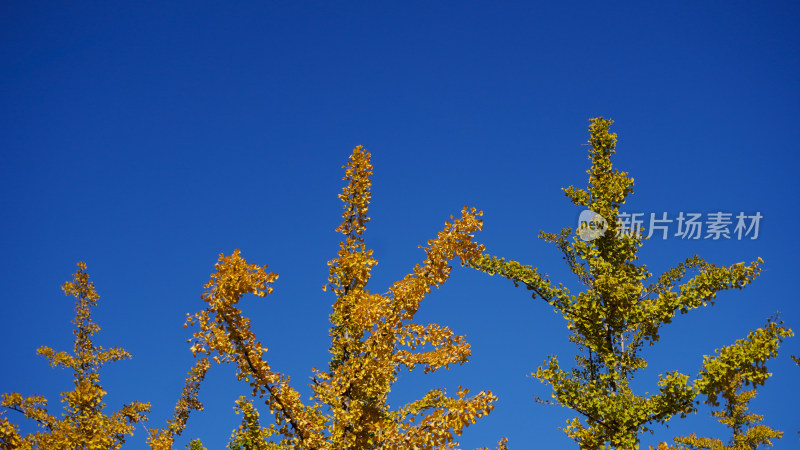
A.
pixel 83 423
pixel 620 311
pixel 373 337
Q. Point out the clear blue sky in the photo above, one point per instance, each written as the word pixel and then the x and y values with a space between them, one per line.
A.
pixel 145 138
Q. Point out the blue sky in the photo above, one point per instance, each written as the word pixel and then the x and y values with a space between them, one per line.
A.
pixel 146 138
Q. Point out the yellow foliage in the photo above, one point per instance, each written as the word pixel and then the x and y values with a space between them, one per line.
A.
pixel 83 424
pixel 618 315
pixel 373 336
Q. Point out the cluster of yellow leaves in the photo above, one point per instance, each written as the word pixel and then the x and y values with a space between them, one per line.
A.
pixel 163 439
pixel 226 334
pixel 251 435
pixel 372 337
pixel 83 424
pixel 748 433
pixel 725 375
